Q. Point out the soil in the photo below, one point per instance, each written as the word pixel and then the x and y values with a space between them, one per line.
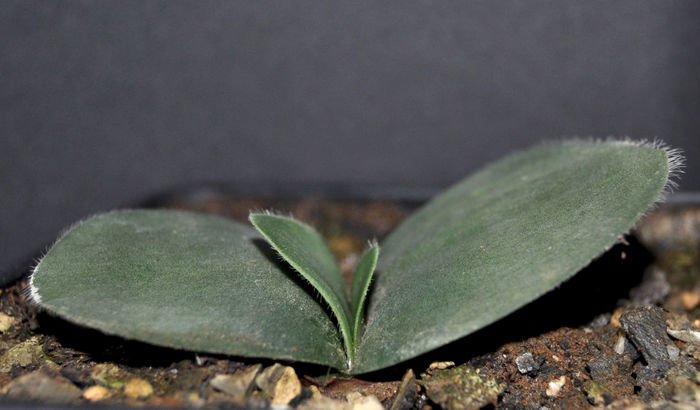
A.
pixel 624 333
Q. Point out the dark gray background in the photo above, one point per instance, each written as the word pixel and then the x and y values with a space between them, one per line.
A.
pixel 103 104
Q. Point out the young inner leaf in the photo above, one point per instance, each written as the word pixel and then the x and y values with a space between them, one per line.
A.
pixel 306 251
pixel 360 284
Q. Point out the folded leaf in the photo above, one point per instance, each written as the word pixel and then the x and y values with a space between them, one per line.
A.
pixel 185 280
pixel 303 248
pixel 501 238
pixel 359 287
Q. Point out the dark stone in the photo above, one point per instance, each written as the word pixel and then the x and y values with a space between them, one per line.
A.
pixel 648 385
pixel 75 375
pixel 630 350
pixel 305 395
pixel 646 328
pixel 652 290
pixel 600 369
pixel 406 397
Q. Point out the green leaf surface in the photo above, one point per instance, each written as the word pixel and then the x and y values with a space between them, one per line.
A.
pixel 501 238
pixel 359 287
pixel 492 243
pixel 185 280
pixel 303 248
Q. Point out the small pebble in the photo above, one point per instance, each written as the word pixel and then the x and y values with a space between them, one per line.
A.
pixel 354 396
pixel 620 344
pixel 615 318
pixel 360 402
pixel 318 401
pixel 25 354
pixel 461 387
pixel 138 388
pixel 690 299
pixel 686 335
pixel 526 363
pixel 280 383
pixel 6 322
pixel 673 351
pixel 554 387
pixel 440 365
pixel 109 374
pixel 40 386
pixel 193 399
pixel 238 384
pixel 598 394
pixel 97 393
pixel 600 320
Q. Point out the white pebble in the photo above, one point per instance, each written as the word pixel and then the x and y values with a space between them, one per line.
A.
pixel 554 387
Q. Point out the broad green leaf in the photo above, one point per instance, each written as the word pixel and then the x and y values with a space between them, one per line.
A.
pixel 489 245
pixel 359 287
pixel 501 238
pixel 307 252
pixel 185 280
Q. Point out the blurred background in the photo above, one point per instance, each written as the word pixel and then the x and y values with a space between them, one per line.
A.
pixel 105 105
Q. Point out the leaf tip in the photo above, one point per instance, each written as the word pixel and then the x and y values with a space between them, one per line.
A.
pixel 31 291
pixel 676 166
pixel 255 215
pixel 674 157
pixel 372 246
